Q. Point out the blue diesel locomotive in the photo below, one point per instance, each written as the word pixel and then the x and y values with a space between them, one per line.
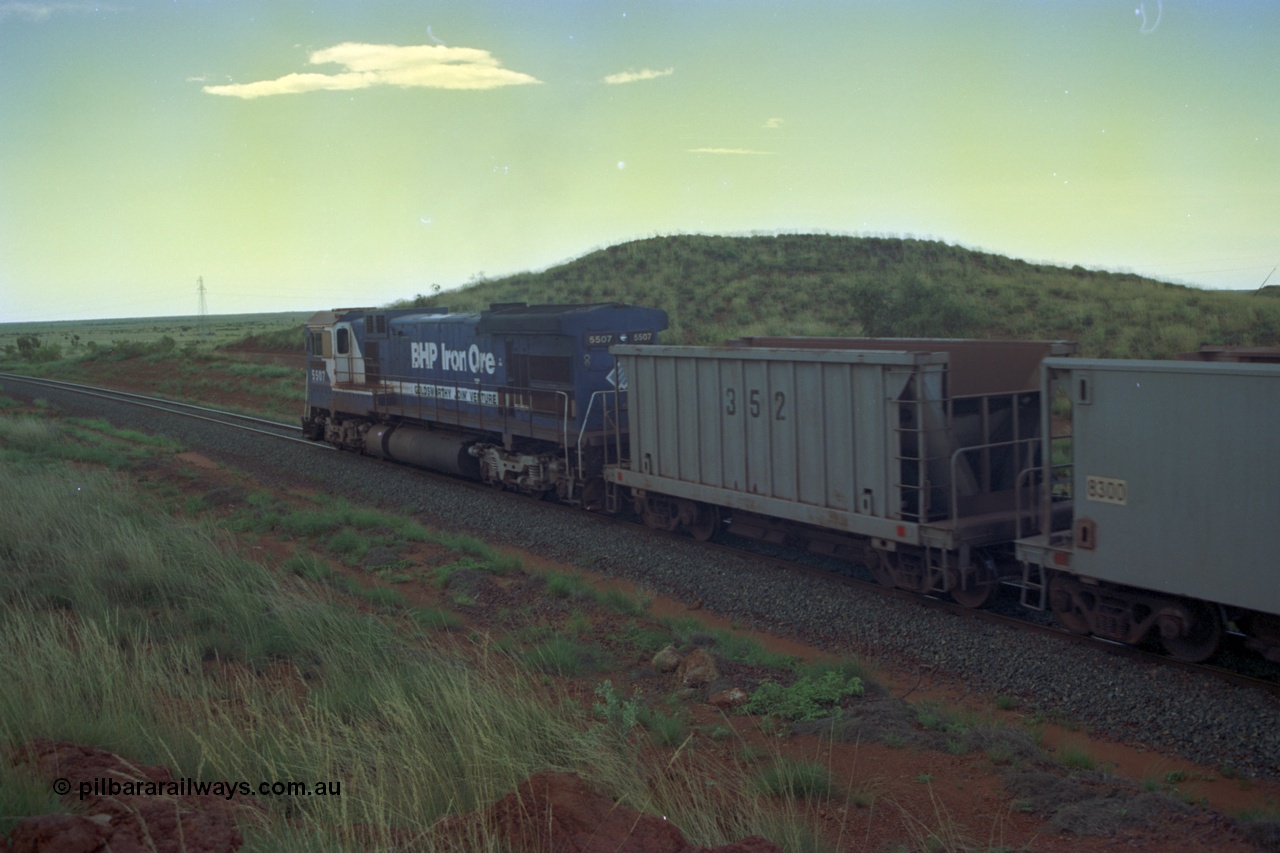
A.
pixel 518 396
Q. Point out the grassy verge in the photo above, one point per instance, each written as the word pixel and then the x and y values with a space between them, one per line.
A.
pixel 159 643
pixel 192 373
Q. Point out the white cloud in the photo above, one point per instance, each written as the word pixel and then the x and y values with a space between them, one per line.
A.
pixel 633 76
pixel 726 151
pixel 424 66
pixel 26 11
pixel 773 124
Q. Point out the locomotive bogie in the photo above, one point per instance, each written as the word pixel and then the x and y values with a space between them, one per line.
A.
pixel 530 473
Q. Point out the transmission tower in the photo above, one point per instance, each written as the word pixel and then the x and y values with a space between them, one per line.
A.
pixel 203 323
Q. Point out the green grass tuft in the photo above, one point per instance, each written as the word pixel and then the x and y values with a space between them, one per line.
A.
pixel 806 699
pixel 786 777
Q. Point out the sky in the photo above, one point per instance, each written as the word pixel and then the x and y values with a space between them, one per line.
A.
pixel 297 156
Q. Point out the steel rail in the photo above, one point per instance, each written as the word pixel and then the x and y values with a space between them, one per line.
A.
pixel 937 603
pixel 171 407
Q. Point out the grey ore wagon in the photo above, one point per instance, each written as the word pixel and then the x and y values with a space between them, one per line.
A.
pixel 1162 480
pixel 909 455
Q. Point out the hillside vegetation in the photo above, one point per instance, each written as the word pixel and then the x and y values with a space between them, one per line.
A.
pixel 715 288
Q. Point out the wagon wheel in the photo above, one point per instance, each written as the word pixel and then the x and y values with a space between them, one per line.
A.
pixel 882 569
pixel 983 584
pixel 1067 607
pixel 911 573
pixel 707 523
pixel 1201 638
pixel 593 493
pixel 658 515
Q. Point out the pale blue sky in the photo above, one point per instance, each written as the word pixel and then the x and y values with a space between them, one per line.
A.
pixel 301 156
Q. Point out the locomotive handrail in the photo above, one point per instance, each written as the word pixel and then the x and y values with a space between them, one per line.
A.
pixel 586 416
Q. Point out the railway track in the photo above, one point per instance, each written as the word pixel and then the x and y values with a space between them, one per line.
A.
pixel 860 580
pixel 236 420
pixel 1234 667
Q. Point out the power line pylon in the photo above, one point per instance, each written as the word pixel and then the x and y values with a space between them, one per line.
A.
pixel 203 322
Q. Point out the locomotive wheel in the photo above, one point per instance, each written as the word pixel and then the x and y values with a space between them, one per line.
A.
pixel 1201 638
pixel 982 586
pixel 1066 608
pixel 707 524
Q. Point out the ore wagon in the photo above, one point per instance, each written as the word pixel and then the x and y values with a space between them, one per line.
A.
pixel 1159 502
pixel 903 454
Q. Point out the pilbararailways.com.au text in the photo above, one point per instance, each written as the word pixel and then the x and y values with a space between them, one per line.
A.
pixel 106 786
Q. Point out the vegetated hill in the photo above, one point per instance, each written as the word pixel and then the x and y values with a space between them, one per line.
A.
pixel 715 288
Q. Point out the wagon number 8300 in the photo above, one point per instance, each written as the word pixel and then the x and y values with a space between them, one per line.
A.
pixel 754 403
pixel 1107 490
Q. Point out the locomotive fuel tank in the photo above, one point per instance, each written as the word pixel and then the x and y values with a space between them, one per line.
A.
pixel 446 452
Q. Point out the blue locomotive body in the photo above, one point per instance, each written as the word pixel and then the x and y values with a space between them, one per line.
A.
pixel 517 395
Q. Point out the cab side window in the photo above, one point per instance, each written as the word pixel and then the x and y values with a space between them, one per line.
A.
pixel 344 341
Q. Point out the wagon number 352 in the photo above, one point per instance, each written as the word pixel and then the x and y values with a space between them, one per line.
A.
pixel 754 403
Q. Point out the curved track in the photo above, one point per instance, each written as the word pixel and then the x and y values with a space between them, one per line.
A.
pixel 236 420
